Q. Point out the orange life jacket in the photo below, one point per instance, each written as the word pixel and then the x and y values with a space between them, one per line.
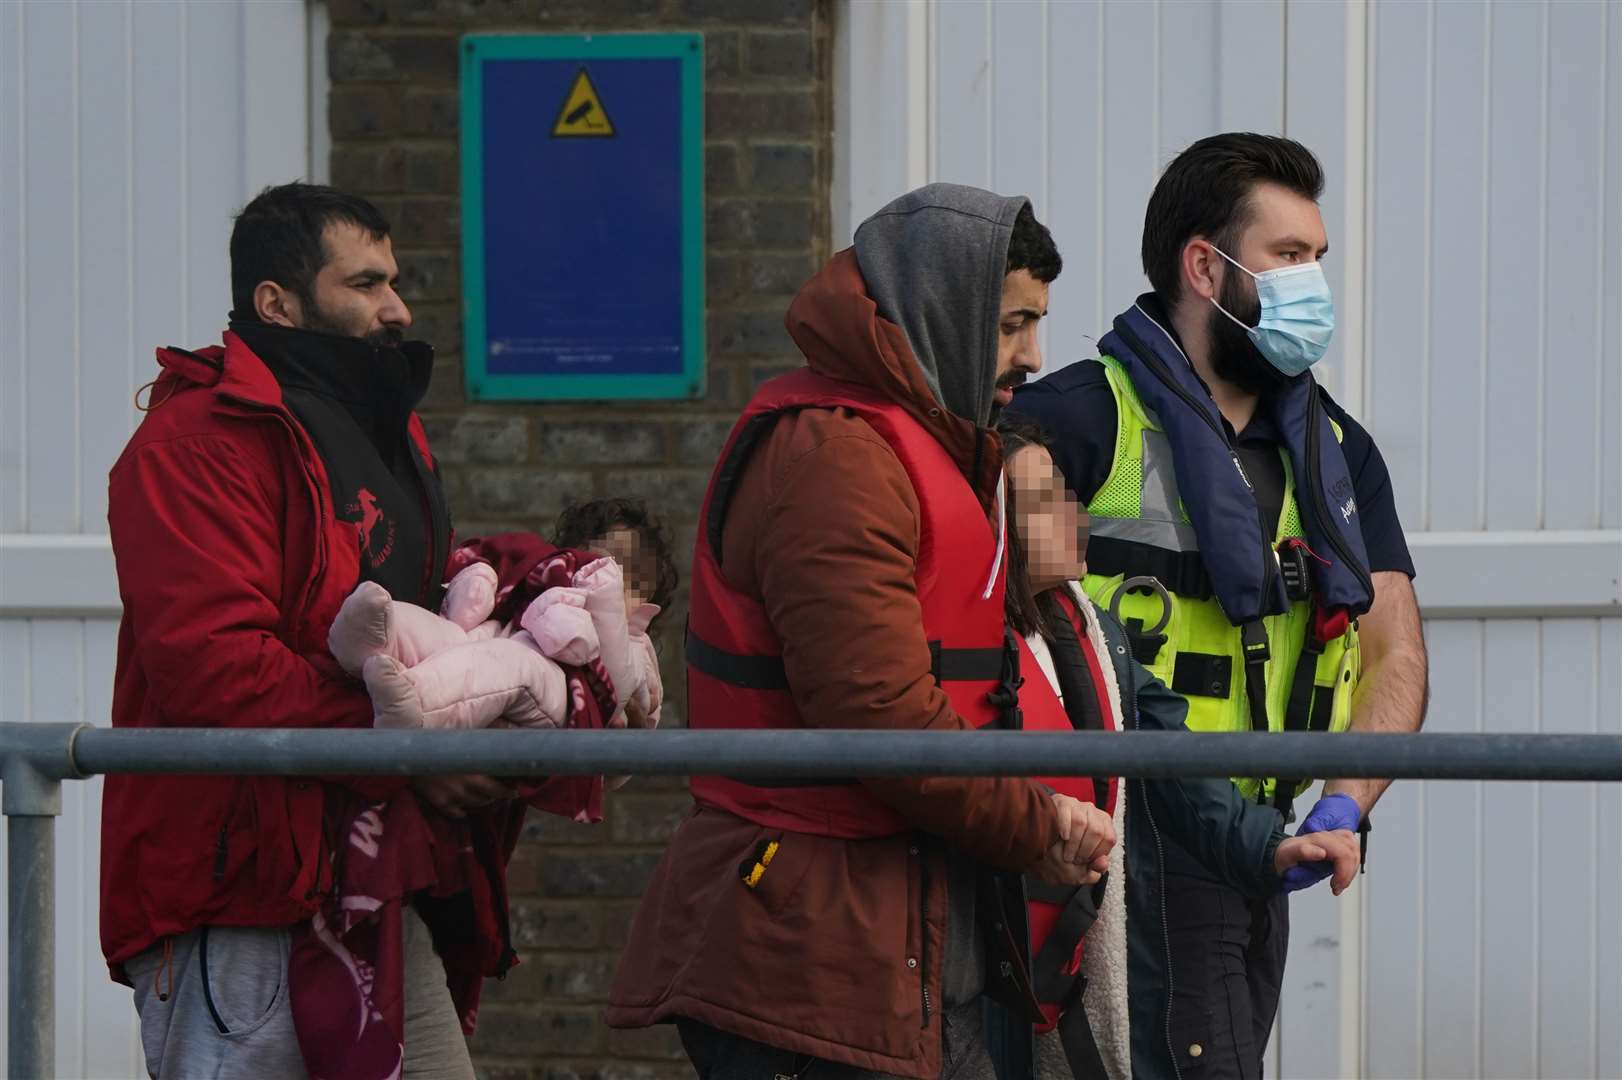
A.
pixel 735 676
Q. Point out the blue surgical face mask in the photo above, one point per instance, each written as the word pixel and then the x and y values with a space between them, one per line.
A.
pixel 1298 314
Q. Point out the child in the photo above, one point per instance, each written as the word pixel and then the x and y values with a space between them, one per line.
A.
pixel 519 610
pixel 1108 1000
pixel 624 529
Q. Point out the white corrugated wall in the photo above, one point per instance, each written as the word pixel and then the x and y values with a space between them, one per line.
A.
pixel 1494 382
pixel 130 132
pixel 1474 208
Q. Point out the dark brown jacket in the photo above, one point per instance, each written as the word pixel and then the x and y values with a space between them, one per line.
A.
pixel 832 953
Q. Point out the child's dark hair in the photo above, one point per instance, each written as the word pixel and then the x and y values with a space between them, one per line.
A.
pixel 1027 612
pixel 581 523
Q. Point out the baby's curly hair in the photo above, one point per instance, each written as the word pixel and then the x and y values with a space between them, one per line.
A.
pixel 582 523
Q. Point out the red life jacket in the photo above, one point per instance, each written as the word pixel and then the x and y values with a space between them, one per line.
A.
pixel 1059 916
pixel 735 676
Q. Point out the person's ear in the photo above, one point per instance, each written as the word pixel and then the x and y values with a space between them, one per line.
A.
pixel 276 305
pixel 1201 268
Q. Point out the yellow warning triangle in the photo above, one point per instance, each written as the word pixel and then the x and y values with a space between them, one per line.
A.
pixel 583 112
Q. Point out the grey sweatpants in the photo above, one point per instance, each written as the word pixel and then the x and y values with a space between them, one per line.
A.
pixel 228 1015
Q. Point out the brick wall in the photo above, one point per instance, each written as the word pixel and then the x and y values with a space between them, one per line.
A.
pixel 393 116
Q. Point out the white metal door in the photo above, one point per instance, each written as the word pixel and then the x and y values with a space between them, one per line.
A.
pixel 1494 379
pixel 1474 207
pixel 130 132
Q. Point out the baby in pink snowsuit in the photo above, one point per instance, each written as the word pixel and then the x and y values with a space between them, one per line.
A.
pixel 526 628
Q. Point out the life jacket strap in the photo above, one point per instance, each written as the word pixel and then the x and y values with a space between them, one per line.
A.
pixel 765 671
pixel 966 665
pixel 1080 1047
pixel 1253 640
pixel 1181 572
pixel 1083 702
pixel 1298 711
pixel 1053 987
pixel 1080 910
pixel 1299 565
pixel 759 672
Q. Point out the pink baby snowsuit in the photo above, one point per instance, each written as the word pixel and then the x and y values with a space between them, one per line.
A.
pixel 465 669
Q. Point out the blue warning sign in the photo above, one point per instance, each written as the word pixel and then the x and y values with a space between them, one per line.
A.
pixel 582 216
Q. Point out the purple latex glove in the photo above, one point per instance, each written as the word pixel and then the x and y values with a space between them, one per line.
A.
pixel 1328 814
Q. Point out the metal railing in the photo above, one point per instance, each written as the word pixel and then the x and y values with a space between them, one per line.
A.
pixel 36 758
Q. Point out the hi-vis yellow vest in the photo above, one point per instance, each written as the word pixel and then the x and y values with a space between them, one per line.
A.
pixel 1202 657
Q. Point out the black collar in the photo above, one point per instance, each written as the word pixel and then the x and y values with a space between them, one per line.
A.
pixel 379 385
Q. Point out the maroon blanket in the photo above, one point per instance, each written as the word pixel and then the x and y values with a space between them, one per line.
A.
pixel 526 566
pixel 346 974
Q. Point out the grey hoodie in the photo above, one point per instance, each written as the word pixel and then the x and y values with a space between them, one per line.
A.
pixel 934 262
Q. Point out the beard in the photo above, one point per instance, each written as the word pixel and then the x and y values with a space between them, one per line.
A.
pixel 388 337
pixel 322 323
pixel 1010 380
pixel 1234 357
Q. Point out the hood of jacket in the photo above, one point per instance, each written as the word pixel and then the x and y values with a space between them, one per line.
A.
pixel 887 315
pixel 934 261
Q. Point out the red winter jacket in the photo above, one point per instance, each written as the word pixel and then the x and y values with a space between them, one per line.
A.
pixel 231 567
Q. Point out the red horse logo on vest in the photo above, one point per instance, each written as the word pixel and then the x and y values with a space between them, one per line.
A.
pixel 370 515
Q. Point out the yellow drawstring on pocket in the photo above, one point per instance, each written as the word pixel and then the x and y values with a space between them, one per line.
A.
pixel 754 869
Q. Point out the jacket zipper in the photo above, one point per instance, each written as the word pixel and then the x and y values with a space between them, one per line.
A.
pixel 1320 507
pixel 1125 679
pixel 1152 362
pixel 923 929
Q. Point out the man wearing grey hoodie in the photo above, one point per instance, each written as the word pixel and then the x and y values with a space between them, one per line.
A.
pixel 849 574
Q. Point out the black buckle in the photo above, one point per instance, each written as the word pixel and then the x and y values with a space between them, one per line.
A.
pixel 1005 695
pixel 1253 636
pixel 1296 571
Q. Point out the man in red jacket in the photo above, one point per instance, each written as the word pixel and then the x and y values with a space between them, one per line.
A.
pixel 270 476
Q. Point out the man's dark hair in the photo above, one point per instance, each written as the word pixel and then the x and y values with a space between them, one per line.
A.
pixel 277 237
pixel 1031 247
pixel 1206 192
pixel 582 523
